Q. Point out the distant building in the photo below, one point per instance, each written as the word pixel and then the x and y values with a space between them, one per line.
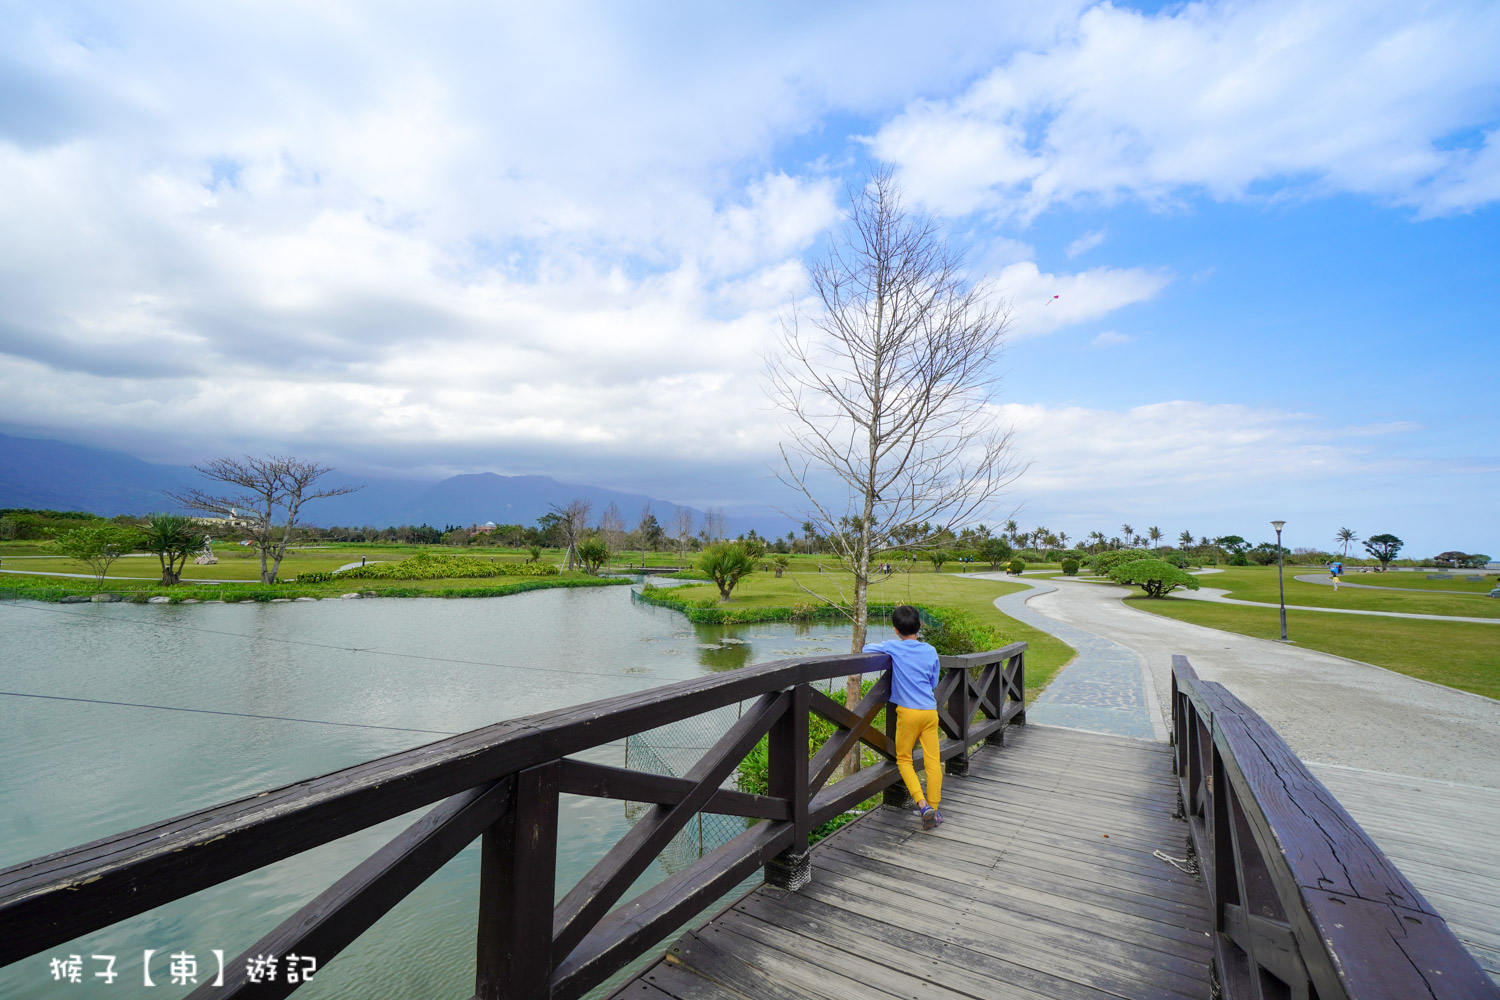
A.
pixel 234 519
pixel 482 529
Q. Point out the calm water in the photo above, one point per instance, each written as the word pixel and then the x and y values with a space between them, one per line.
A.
pixel 75 771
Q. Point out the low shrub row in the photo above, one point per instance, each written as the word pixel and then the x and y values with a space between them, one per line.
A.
pixel 950 631
pixel 436 566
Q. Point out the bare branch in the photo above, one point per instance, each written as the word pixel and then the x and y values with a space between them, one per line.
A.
pixel 887 387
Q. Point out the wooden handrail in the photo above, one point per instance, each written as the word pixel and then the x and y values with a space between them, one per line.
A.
pixel 1299 892
pixel 501 783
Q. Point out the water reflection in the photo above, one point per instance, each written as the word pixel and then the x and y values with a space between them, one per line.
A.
pixel 76 770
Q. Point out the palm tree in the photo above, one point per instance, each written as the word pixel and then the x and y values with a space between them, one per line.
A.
pixel 1185 539
pixel 1154 533
pixel 1062 539
pixel 1346 535
pixel 1129 534
pixel 1011 528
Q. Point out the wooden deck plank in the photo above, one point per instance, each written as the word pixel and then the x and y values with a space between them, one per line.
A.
pixel 1041 884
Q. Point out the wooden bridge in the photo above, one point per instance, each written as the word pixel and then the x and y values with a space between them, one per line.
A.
pixel 1072 865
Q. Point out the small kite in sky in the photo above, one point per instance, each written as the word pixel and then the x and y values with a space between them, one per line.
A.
pixel 1053 299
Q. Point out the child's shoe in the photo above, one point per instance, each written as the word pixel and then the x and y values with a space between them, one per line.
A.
pixel 931 818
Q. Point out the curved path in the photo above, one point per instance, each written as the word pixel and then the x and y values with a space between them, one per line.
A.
pixel 1416 764
pixel 1103 690
pixel 1329 709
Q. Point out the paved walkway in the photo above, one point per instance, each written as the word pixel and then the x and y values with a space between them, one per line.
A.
pixel 1416 764
pixel 1102 691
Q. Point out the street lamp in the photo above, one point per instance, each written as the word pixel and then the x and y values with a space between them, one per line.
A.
pixel 1280 585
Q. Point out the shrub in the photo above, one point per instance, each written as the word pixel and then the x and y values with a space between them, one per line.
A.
pixel 593 553
pixel 1017 567
pixel 1156 577
pixel 995 551
pixel 937 557
pixel 953 632
pixel 1175 558
pixel 1070 567
pixel 726 563
pixel 314 576
pixel 443 566
pixel 1103 562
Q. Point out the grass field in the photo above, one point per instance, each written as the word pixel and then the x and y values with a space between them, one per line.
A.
pixel 1045 656
pixel 1258 583
pixel 1419 581
pixel 1463 655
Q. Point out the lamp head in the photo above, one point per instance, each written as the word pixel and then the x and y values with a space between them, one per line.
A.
pixel 1278 525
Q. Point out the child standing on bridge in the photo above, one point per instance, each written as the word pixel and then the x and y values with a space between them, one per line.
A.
pixel 914 676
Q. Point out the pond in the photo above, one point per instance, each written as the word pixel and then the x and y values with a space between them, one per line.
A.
pixel 117 715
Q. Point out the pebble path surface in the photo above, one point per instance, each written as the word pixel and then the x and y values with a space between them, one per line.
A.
pixel 1104 689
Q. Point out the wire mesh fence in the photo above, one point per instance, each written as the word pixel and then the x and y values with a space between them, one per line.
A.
pixel 673 750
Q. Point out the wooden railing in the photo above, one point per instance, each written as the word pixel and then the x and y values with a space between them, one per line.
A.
pixel 501 784
pixel 1304 904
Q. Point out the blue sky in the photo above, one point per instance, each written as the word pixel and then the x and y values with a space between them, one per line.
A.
pixel 482 237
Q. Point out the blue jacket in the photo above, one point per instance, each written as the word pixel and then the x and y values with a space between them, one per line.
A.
pixel 914 674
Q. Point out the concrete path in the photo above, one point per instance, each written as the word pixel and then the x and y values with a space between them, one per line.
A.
pixel 1104 689
pixel 1416 764
pixel 1329 709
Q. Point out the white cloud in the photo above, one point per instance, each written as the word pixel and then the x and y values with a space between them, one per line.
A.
pixel 1085 243
pixel 1183 445
pixel 1220 97
pixel 1111 338
pixel 1042 303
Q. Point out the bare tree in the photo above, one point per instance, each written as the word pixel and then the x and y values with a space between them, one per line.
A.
pixel 612 528
pixel 268 493
pixel 572 520
pixel 887 386
pixel 682 530
pixel 715 526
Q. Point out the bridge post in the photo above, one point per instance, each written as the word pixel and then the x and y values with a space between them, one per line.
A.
pixel 517 871
pixel 895 794
pixel 961 709
pixel 788 779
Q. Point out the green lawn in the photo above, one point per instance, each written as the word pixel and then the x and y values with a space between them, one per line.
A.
pixel 1463 655
pixel 1045 655
pixel 1419 581
pixel 1258 583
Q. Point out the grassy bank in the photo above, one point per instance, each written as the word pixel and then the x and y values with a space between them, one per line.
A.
pixel 61 589
pixel 1439 597
pixel 763 597
pixel 1462 655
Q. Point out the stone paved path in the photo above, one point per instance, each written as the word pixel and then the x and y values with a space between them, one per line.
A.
pixel 1104 690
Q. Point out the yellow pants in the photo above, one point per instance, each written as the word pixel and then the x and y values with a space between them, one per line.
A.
pixel 915 725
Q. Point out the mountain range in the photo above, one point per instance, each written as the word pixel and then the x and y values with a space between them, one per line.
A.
pixel 56 475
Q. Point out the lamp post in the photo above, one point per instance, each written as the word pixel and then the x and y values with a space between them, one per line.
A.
pixel 1280 585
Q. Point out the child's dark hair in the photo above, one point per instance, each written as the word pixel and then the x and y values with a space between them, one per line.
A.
pixel 905 620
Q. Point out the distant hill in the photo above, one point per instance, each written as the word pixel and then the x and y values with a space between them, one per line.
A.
pixel 52 475
pixel 485 496
pixel 36 472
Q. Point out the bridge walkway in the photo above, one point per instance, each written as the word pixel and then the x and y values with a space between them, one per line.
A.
pixel 1043 882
